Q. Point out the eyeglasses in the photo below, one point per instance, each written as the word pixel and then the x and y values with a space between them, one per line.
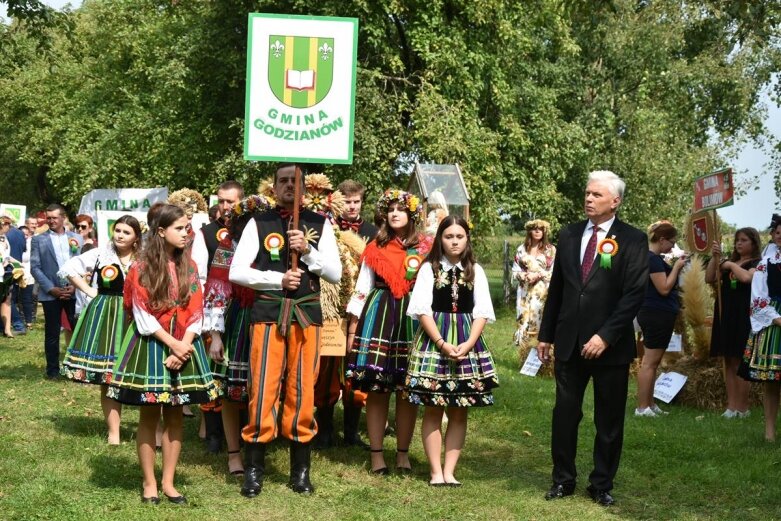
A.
pixel 82 226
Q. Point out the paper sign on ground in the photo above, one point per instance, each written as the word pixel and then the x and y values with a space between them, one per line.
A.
pixel 668 385
pixel 532 364
pixel 676 344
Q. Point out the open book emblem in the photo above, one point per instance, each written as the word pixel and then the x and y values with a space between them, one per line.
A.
pixel 300 69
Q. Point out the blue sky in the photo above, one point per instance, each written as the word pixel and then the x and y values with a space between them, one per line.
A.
pixel 752 209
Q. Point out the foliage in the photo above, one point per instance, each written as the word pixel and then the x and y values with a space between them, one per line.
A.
pixel 526 96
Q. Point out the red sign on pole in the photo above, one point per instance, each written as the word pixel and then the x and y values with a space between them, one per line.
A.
pixel 714 190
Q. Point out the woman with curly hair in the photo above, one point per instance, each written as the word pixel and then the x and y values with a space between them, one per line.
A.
pixel 532 271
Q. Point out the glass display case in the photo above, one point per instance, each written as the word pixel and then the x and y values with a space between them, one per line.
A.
pixel 442 190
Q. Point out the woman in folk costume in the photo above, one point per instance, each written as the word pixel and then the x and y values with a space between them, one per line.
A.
pixel 227 308
pixel 532 271
pixel 762 356
pixel 162 360
pixel 380 332
pixel 101 326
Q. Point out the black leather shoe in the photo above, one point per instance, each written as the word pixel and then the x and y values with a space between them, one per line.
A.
pixel 352 416
pixel 176 500
pixel 155 500
pixel 300 455
pixel 601 497
pixel 254 469
pixel 559 491
pixel 324 439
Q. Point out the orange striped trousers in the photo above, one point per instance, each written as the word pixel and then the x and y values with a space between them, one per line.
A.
pixel 331 381
pixel 276 361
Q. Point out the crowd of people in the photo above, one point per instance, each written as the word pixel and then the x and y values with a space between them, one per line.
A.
pixel 231 317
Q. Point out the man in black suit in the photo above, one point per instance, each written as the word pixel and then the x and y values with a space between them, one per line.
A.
pixel 599 279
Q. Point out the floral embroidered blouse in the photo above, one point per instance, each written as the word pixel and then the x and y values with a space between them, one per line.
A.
pixel 765 287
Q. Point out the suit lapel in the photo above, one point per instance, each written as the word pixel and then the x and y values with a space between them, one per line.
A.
pixel 577 239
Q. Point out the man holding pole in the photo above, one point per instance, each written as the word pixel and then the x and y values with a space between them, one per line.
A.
pixel 286 320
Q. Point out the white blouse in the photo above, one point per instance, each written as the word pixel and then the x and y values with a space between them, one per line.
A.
pixel 761 309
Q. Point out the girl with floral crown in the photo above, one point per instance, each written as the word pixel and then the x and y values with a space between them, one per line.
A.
pixel 380 332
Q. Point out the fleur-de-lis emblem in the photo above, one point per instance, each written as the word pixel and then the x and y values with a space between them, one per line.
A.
pixel 326 50
pixel 277 47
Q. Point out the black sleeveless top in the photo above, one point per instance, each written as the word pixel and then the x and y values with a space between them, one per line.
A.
pixel 451 293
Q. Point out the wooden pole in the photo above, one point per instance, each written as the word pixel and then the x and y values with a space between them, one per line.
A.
pixel 296 206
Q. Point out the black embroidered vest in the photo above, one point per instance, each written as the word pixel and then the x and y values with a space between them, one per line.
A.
pixel 443 293
pixel 269 223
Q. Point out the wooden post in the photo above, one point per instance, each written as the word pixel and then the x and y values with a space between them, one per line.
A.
pixel 296 206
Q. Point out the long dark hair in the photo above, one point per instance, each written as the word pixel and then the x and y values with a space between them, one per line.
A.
pixel 154 274
pixel 129 220
pixel 467 256
pixel 756 243
pixel 408 236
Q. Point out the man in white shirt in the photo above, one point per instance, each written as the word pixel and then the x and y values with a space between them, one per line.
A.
pixel 286 320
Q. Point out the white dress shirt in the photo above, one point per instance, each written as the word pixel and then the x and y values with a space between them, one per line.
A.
pixel 601 234
pixel 322 261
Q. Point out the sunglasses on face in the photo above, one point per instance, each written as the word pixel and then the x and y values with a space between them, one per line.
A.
pixel 82 226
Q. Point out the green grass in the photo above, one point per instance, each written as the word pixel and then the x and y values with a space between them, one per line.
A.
pixel 54 463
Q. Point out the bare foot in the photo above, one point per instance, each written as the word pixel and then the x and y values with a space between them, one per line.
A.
pixel 150 490
pixel 113 439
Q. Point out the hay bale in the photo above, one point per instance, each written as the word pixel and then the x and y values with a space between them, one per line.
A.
pixel 523 351
pixel 705 387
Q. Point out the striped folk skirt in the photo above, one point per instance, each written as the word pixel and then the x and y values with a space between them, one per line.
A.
pixel 380 350
pixel 435 380
pixel 141 377
pixel 98 334
pixel 231 375
pixel 762 356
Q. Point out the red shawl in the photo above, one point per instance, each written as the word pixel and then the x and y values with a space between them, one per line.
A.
pixel 184 316
pixel 388 262
pixel 219 290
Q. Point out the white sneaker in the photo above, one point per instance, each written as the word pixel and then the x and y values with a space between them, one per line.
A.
pixel 658 411
pixel 729 413
pixel 645 412
pixel 744 414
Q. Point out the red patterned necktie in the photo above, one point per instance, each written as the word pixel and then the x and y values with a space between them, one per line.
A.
pixel 588 256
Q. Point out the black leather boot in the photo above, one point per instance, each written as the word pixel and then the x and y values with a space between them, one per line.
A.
pixel 324 439
pixel 254 468
pixel 214 431
pixel 300 456
pixel 352 416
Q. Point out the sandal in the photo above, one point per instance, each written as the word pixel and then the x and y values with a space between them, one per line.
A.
pixel 382 471
pixel 235 472
pixel 403 470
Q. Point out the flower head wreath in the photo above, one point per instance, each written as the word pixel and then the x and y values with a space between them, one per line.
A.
pixel 253 203
pixel 188 200
pixel 406 200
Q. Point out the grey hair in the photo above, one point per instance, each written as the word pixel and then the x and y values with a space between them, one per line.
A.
pixel 615 183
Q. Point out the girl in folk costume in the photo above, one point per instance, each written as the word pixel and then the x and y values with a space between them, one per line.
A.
pixel 532 271
pixel 227 308
pixel 162 360
pixel 762 356
pixel 102 325
pixel 382 336
pixel 450 365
